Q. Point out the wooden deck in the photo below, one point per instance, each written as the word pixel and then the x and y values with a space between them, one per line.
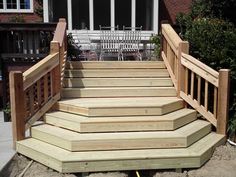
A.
pixel 119 118
pixel 119 115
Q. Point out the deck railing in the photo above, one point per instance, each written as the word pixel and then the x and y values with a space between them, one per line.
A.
pixel 203 88
pixel 35 91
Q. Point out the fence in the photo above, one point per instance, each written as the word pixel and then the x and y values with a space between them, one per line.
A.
pixel 35 91
pixel 203 88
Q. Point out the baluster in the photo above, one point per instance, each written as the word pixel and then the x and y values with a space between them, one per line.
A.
pixel 31 100
pixel 45 88
pixel 39 93
pixel 206 95
pixel 199 90
pixel 25 43
pixel 215 101
pixel 192 85
pixel 186 81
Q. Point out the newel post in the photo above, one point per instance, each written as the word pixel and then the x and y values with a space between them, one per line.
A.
pixel 183 48
pixel 18 106
pixel 56 73
pixel 223 101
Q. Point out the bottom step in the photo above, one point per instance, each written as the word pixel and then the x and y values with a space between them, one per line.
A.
pixel 71 162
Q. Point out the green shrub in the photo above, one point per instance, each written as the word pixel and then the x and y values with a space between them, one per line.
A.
pixel 156 40
pixel 213 41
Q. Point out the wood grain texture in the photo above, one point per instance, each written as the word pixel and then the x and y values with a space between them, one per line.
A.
pixel 190 157
pixel 223 101
pixel 114 64
pixel 81 123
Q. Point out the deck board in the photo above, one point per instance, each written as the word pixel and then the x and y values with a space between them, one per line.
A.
pixel 74 141
pixel 81 123
pixel 52 156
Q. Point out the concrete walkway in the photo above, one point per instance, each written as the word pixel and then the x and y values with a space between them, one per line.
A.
pixel 6 151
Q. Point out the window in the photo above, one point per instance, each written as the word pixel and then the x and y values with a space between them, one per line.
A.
pixel 80 14
pixel 59 9
pixel 144 14
pixel 123 13
pixel 1 4
pixel 92 13
pixel 102 13
pixel 16 6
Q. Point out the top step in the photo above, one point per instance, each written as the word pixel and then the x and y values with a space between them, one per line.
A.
pixel 114 64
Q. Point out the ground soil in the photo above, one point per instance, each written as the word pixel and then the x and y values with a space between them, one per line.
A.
pixel 222 164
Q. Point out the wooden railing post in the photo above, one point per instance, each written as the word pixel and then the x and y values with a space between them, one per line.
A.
pixel 223 101
pixel 183 48
pixel 18 111
pixel 56 73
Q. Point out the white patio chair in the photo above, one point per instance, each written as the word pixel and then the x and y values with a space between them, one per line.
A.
pixel 110 42
pixel 130 42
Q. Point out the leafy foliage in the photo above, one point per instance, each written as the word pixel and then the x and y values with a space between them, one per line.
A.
pixel 213 40
pixel 156 39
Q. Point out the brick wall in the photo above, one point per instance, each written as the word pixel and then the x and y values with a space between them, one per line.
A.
pixel 28 17
pixel 170 8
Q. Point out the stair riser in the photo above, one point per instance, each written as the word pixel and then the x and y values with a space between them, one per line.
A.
pixel 68 162
pixel 122 111
pixel 117 82
pixel 120 126
pixel 119 141
pixel 109 165
pixel 139 73
pixel 124 92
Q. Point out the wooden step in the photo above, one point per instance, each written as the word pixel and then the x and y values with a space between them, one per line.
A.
pixel 80 123
pixel 117 82
pixel 114 64
pixel 71 162
pixel 140 106
pixel 123 73
pixel 119 92
pixel 73 141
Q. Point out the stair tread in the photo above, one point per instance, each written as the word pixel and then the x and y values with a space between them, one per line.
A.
pixel 122 73
pixel 122 88
pixel 116 82
pixel 84 119
pixel 74 136
pixel 115 64
pixel 120 102
pixel 79 123
pixel 194 150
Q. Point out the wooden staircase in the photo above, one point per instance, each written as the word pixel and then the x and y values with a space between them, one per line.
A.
pixel 120 116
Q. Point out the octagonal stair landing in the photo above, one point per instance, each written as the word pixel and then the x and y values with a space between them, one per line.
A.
pixel 120 116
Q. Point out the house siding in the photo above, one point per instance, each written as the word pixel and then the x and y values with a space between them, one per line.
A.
pixel 28 17
pixel 170 8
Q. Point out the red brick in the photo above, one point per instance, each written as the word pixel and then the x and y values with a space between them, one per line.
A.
pixel 170 8
pixel 28 17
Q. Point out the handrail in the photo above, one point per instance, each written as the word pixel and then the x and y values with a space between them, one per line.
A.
pixel 203 88
pixel 35 91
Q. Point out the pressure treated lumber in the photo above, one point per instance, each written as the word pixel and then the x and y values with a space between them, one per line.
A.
pixel 113 64
pixel 119 92
pixel 73 141
pixel 81 123
pixel 123 73
pixel 120 106
pixel 117 82
pixel 69 162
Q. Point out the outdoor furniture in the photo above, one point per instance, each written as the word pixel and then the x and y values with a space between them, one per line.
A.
pixel 130 42
pixel 110 42
pixel 88 50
